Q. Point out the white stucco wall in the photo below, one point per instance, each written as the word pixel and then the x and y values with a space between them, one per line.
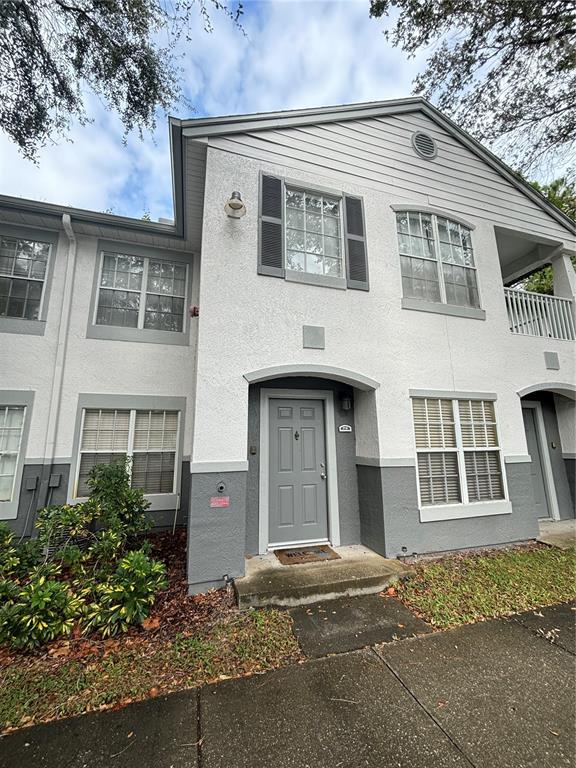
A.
pixel 91 365
pixel 249 321
pixel 566 415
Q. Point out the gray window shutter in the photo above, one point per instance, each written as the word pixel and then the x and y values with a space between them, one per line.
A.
pixel 356 255
pixel 271 245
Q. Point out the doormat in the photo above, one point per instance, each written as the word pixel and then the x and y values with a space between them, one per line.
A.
pixel 305 555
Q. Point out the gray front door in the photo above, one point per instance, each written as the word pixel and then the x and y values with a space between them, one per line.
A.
pixel 297 506
pixel 536 467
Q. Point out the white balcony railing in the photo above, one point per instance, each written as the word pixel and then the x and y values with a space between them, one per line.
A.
pixel 537 314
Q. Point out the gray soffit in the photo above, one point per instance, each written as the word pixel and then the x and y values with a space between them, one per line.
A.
pixel 231 124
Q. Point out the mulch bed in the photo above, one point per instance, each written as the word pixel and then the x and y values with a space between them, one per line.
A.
pixel 174 613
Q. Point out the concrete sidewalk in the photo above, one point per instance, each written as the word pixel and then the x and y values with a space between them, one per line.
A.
pixel 499 693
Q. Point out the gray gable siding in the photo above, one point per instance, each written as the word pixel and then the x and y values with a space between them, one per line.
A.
pixel 377 153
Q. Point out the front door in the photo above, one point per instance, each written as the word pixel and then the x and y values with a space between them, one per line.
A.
pixel 536 466
pixel 297 484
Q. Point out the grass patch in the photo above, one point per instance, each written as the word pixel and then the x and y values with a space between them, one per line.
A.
pixel 461 589
pixel 116 672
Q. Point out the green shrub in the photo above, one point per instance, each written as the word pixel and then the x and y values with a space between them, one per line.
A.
pixel 59 526
pixel 17 560
pixel 79 569
pixel 9 560
pixel 127 596
pixel 29 555
pixel 37 611
pixel 120 506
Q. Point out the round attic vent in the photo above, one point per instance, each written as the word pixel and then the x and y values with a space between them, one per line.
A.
pixel 424 145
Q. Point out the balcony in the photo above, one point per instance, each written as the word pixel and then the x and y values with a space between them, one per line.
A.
pixel 538 314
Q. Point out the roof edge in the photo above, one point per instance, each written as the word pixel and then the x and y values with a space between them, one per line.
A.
pixel 90 217
pixel 231 124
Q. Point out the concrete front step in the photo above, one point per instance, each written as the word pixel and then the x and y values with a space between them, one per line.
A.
pixel 359 572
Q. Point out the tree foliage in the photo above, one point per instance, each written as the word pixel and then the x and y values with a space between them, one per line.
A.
pixel 503 69
pixel 53 53
pixel 563 194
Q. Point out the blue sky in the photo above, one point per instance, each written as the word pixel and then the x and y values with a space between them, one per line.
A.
pixel 295 53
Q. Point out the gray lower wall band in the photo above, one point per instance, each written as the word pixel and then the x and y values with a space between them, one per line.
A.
pixel 216 535
pixel 389 512
pixel 33 500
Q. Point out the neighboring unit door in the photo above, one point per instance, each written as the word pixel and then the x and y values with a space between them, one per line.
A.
pixel 536 467
pixel 298 507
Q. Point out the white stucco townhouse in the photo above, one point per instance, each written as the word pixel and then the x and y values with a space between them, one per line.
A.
pixel 344 363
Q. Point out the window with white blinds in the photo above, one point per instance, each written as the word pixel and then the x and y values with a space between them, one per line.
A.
pixel 451 468
pixel 11 428
pixel 148 437
pixel 437 259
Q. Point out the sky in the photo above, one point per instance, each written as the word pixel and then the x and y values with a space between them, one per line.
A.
pixel 294 54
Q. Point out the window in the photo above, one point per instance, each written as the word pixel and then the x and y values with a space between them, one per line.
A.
pixel 149 437
pixel 313 233
pixel 313 237
pixel 459 459
pixel 23 268
pixel 11 428
pixel 141 292
pixel 437 259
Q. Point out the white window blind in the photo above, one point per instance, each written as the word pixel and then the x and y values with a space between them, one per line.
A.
pixel 437 259
pixel 139 292
pixel 448 434
pixel 148 437
pixel 11 428
pixel 23 266
pixel 314 233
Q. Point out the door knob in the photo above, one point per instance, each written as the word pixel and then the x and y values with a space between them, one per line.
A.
pixel 322 470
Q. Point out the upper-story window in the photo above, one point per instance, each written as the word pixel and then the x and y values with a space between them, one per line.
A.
pixel 23 269
pixel 312 236
pixel 437 259
pixel 313 233
pixel 141 292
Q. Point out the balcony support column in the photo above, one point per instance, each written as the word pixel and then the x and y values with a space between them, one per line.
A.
pixel 564 278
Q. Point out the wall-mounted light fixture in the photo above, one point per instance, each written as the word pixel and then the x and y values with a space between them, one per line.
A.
pixel 345 403
pixel 235 207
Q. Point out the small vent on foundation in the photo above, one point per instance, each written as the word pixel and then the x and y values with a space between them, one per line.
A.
pixel 424 145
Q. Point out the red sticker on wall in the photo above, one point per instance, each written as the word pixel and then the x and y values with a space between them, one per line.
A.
pixel 219 501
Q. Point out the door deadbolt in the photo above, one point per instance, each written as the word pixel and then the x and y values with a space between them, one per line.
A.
pixel 296 435
pixel 322 470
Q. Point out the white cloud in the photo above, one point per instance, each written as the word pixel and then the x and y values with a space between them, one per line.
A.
pixel 294 54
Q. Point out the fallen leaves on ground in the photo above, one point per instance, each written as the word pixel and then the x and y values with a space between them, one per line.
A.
pixel 186 641
pixel 464 588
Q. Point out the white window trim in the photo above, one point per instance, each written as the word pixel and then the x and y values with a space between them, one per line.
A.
pixel 465 508
pixel 438 258
pixel 158 501
pixel 22 399
pixel 293 275
pixel 143 291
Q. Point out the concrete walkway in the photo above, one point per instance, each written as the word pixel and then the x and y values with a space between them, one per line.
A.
pixel 358 571
pixel 499 693
pixel 558 533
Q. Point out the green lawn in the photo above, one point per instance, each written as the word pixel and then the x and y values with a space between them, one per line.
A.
pixel 35 688
pixel 461 589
